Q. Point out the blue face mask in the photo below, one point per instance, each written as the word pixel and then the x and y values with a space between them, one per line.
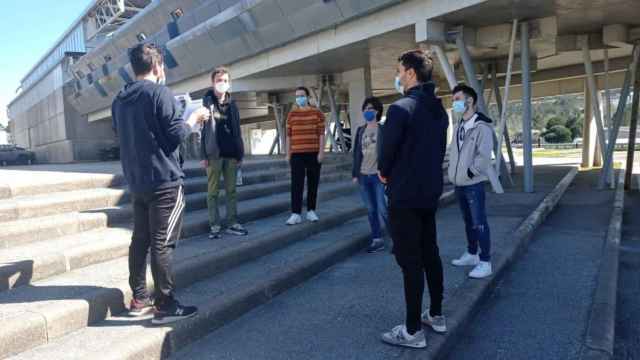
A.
pixel 398 85
pixel 459 107
pixel 369 115
pixel 301 101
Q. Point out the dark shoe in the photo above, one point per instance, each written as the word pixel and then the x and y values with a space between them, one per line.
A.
pixel 215 232
pixel 172 311
pixel 237 230
pixel 140 307
pixel 375 246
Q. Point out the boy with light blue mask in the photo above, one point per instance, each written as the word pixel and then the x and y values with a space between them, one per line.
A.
pixel 470 167
pixel 365 169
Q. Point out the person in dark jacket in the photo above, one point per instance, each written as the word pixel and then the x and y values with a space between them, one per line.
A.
pixel 145 118
pixel 413 149
pixel 365 170
pixel 222 151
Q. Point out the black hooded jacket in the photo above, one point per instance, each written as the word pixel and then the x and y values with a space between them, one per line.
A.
pixel 414 141
pixel 145 118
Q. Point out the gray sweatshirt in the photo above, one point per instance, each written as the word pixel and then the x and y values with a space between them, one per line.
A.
pixel 470 160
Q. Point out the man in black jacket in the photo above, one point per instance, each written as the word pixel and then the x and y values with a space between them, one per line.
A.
pixel 413 149
pixel 222 151
pixel 145 117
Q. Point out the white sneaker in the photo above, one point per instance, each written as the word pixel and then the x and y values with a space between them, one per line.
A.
pixel 482 270
pixel 295 219
pixel 400 337
pixel 437 323
pixel 312 216
pixel 466 260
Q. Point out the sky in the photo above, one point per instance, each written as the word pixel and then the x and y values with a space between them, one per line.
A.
pixel 27 30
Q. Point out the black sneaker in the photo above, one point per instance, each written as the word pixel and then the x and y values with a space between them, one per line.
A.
pixel 237 229
pixel 215 232
pixel 375 246
pixel 172 312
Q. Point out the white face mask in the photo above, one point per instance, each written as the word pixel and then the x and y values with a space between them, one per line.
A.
pixel 222 87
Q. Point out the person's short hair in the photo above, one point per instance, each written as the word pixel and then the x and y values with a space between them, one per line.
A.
pixel 420 61
pixel 376 104
pixel 220 70
pixel 304 88
pixel 144 57
pixel 467 91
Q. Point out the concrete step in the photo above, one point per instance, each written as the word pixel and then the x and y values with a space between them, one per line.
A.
pixel 21 232
pixel 46 179
pixel 26 207
pixel 220 299
pixel 49 309
pixel 24 264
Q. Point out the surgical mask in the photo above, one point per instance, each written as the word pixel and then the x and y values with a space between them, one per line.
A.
pixel 301 101
pixel 369 115
pixel 398 85
pixel 222 87
pixel 459 106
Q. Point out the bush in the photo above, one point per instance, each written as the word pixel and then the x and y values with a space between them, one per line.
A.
pixel 555 121
pixel 558 134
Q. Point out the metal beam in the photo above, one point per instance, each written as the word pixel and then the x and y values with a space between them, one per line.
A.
pixel 526 108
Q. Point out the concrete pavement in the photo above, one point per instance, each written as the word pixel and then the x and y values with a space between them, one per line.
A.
pixel 341 313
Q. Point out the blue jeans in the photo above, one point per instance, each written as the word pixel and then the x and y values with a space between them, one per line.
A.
pixel 372 192
pixel 472 203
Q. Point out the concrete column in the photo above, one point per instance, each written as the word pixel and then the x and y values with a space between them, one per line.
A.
pixel 384 51
pixel 359 84
pixel 588 131
pixel 526 107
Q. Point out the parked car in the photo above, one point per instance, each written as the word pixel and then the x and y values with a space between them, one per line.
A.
pixel 15 155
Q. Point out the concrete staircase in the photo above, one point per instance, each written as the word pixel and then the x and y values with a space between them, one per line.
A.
pixel 64 274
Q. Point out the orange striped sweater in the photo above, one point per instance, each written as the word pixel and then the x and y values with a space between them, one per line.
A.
pixel 304 128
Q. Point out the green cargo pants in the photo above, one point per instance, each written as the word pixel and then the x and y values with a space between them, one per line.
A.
pixel 228 169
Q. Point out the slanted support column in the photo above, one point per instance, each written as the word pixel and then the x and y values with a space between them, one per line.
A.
pixel 588 131
pixel 501 105
pixel 335 115
pixel 527 141
pixel 445 65
pixel 633 128
pixel 470 72
pixel 593 90
pixel 617 121
pixel 502 121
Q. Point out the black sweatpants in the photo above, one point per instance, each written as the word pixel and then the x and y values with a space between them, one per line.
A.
pixel 416 251
pixel 157 226
pixel 304 164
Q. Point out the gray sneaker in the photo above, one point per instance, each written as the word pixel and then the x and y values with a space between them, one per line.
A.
pixel 237 229
pixel 399 336
pixel 215 232
pixel 437 323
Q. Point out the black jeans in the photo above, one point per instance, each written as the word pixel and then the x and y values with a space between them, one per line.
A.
pixel 305 164
pixel 157 226
pixel 416 250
